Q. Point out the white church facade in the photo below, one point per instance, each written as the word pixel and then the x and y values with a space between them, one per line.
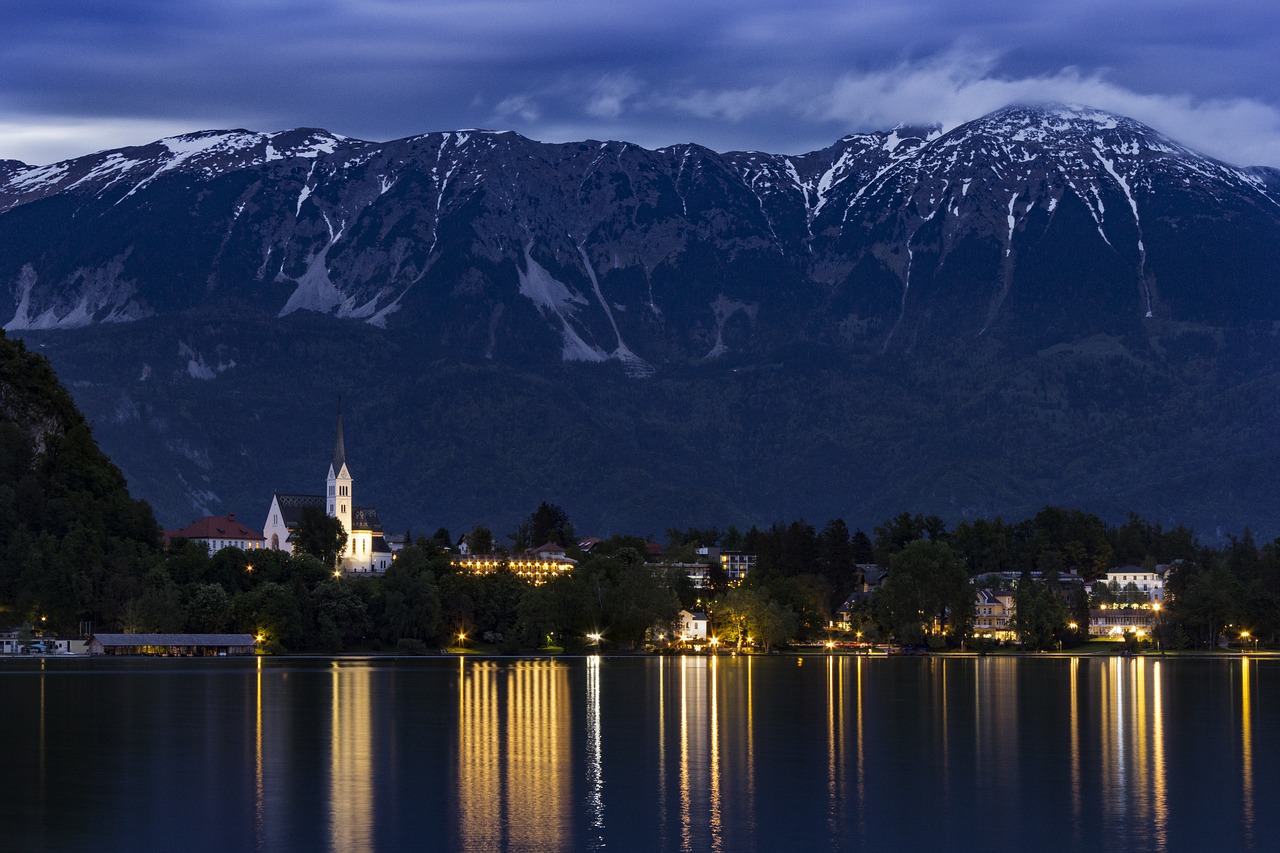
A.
pixel 366 551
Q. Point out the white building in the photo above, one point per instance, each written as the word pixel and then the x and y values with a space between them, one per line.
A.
pixel 1148 583
pixel 366 550
pixel 693 626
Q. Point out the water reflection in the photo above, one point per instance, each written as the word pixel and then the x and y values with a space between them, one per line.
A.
pixel 351 779
pixel 595 761
pixel 1246 750
pixel 514 755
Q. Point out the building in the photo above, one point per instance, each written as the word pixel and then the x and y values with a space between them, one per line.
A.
pixel 1147 585
pixel 216 532
pixel 1118 620
pixel 993 614
pixel 693 626
pixel 366 550
pixel 532 568
pixel 172 645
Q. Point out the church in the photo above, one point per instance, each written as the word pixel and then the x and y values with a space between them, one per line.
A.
pixel 366 551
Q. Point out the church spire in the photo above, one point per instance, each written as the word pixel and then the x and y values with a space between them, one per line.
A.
pixel 339 449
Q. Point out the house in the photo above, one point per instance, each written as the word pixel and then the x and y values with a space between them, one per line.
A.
pixel 993 614
pixel 550 551
pixel 216 532
pixel 366 550
pixel 693 626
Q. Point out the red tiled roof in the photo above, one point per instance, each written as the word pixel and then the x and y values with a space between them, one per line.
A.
pixel 216 527
pixel 548 548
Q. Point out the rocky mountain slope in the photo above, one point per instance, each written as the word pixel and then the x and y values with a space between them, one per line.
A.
pixel 1028 308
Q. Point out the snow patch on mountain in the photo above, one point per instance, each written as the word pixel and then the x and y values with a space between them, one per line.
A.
pixel 554 298
pixel 86 296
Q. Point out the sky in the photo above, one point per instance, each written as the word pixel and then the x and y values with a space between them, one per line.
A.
pixel 78 76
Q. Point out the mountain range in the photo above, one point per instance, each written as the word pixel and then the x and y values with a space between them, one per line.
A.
pixel 1049 304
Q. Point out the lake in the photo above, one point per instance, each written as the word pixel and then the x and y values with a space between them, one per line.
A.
pixel 617 753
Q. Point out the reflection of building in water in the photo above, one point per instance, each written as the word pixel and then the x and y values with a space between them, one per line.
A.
pixel 514 754
pixel 1133 748
pixel 351 795
pixel 995 698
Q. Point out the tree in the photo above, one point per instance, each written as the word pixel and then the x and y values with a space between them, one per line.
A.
pixel 550 523
pixel 1039 614
pixel 926 588
pixel 208 608
pixel 320 535
pixel 835 559
pixel 743 614
pixel 480 540
pixel 896 533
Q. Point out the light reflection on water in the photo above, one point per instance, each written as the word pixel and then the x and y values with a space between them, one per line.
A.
pixel 684 753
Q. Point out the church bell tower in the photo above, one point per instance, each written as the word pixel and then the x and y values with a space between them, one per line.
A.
pixel 338 493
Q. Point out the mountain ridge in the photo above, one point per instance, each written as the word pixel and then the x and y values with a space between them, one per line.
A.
pixel 1039 261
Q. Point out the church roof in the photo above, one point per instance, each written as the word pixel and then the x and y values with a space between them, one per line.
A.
pixel 339 448
pixel 291 507
pixel 365 518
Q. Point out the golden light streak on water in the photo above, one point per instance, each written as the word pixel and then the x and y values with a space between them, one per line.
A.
pixel 595 757
pixel 513 755
pixel 350 760
pixel 714 823
pixel 833 813
pixel 1141 721
pixel 479 789
pixel 1076 805
pixel 537 771
pixel 662 746
pixel 751 745
pixel 1160 796
pixel 259 804
pixel 862 776
pixel 1246 750
pixel 1112 749
pixel 686 839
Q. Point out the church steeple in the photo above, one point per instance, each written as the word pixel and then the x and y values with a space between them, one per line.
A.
pixel 338 492
pixel 339 449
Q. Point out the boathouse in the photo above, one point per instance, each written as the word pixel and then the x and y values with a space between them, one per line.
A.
pixel 172 645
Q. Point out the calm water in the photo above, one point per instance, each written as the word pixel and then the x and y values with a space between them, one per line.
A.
pixel 640 754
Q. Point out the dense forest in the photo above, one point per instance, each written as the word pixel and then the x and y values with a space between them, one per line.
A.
pixel 77 553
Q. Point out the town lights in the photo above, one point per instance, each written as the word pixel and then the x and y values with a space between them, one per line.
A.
pixel 595 637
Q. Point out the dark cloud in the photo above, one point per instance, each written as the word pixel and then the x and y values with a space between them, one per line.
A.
pixel 75 76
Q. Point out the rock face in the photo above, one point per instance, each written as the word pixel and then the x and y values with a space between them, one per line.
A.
pixel 1070 268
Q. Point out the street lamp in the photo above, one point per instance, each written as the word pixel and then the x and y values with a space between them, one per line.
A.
pixel 462 639
pixel 1244 638
pixel 715 643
